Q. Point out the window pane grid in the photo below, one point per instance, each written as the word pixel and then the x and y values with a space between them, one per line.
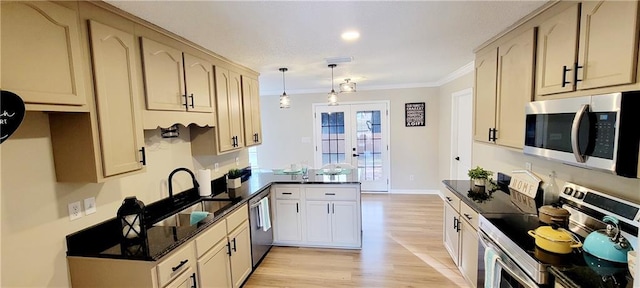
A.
pixel 333 138
pixel 369 138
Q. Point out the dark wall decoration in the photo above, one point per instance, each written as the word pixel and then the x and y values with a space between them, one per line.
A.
pixel 414 114
pixel 11 114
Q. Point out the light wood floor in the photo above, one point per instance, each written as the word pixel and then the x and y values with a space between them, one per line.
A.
pixel 402 247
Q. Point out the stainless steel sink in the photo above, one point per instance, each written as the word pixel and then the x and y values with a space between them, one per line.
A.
pixel 183 217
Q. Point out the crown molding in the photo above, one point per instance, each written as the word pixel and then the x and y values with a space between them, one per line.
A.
pixel 464 70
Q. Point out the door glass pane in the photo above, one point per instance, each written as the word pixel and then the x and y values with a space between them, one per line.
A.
pixel 333 138
pixel 369 147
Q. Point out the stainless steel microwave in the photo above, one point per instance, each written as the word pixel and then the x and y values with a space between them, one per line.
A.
pixel 596 132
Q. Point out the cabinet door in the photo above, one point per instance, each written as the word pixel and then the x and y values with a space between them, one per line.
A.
pixel 451 236
pixel 469 253
pixel 318 222
pixel 163 76
pixel 185 280
pixel 608 43
pixel 240 254
pixel 557 42
pixel 199 83
pixel 486 72
pixel 251 111
pixel 344 223
pixel 214 270
pixel 235 108
pixel 41 57
pixel 288 221
pixel 515 87
pixel 116 88
pixel 223 80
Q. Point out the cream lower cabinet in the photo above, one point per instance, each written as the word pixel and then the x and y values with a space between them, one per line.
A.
pixel 41 57
pixel 317 215
pixel 224 252
pixel 461 236
pixel 185 280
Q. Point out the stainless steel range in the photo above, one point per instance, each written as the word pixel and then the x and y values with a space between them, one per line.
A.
pixel 519 262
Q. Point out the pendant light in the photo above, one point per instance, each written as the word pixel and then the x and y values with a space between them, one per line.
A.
pixel 347 86
pixel 284 98
pixel 333 97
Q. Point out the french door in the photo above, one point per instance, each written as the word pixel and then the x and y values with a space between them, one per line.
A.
pixel 356 134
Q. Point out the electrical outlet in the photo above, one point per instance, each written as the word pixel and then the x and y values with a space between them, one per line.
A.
pixel 216 167
pixel 237 161
pixel 75 210
pixel 527 165
pixel 90 205
pixel 411 177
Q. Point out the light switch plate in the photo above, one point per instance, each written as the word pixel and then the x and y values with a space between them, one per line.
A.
pixel 90 205
pixel 237 161
pixel 75 210
pixel 216 167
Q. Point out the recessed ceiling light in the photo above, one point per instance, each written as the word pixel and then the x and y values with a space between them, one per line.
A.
pixel 350 35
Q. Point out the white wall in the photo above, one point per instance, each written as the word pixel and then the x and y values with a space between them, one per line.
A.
pixel 34 215
pixel 414 150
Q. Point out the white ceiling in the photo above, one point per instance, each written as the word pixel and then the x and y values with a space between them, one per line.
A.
pixel 402 44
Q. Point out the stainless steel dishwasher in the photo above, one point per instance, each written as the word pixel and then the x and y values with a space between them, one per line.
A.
pixel 261 240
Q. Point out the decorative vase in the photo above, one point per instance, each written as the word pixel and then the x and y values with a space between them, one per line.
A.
pixel 479 181
pixel 234 183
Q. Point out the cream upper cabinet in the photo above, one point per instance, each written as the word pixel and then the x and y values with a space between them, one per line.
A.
pixel 608 43
pixel 587 45
pixel 41 54
pixel 229 110
pixel 199 81
pixel 163 76
pixel 515 88
pixel 486 73
pixel 116 89
pixel 557 55
pixel 251 111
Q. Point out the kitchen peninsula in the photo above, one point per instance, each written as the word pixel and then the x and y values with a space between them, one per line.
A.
pixel 180 254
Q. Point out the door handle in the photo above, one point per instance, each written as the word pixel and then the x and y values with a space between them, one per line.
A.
pixel 355 155
pixel 457 158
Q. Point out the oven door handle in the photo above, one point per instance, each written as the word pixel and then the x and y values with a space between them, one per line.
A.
pixel 519 275
pixel 575 131
pixel 514 274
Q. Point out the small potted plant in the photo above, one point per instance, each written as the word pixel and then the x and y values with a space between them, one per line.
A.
pixel 479 176
pixel 234 178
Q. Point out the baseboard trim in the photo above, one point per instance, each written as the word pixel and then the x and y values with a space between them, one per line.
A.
pixel 412 191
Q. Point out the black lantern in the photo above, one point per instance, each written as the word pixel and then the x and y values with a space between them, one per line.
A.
pixel 134 235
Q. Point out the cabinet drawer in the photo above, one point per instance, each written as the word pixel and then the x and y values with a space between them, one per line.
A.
pixel 469 215
pixel 237 217
pixel 175 264
pixel 330 194
pixel 209 238
pixel 452 199
pixel 287 192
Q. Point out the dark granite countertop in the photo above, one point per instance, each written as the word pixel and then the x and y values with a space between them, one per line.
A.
pixel 102 240
pixel 497 201
pixel 577 273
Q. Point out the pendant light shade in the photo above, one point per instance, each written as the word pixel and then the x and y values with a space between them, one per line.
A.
pixel 284 98
pixel 347 86
pixel 333 97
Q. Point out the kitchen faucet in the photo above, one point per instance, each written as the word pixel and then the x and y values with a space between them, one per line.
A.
pixel 193 178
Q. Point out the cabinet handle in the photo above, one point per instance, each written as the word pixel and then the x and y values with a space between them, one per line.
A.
pixel 489 137
pixel 333 207
pixel 327 208
pixel 144 156
pixel 467 216
pixel 179 265
pixel 191 96
pixel 493 138
pixel 330 194
pixel 257 138
pixel 234 245
pixel 286 193
pixel 455 223
pixel 228 248
pixel 564 75
pixel 448 198
pixel 186 102
pixel 575 73
pixel 195 283
pixel 297 210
